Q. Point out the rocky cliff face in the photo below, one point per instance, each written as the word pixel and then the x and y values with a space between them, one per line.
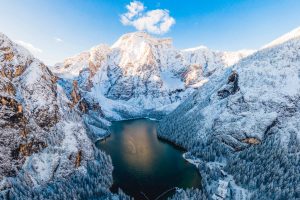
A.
pixel 140 74
pixel 28 105
pixel 242 125
pixel 42 133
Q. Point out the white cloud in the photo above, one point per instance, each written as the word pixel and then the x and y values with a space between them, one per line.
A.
pixel 34 50
pixel 58 40
pixel 156 21
pixel 134 8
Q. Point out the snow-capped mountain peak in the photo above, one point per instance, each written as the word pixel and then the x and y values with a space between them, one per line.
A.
pixel 137 39
pixel 140 72
pixel 140 49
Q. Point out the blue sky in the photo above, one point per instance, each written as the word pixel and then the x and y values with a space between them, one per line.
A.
pixel 56 29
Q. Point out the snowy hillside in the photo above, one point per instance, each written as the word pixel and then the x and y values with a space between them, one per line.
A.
pixel 44 143
pixel 288 36
pixel 243 125
pixel 141 74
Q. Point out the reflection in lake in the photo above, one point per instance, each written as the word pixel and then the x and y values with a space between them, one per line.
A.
pixel 143 163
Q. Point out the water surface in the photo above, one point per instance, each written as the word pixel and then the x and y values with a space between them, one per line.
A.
pixel 145 164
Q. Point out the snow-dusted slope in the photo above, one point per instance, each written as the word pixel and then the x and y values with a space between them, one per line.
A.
pixel 42 134
pixel 141 74
pixel 244 125
pixel 288 36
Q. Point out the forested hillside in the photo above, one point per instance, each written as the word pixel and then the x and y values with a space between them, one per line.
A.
pixel 243 126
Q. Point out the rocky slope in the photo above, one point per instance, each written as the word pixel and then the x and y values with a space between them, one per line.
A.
pixel 43 139
pixel 141 75
pixel 242 126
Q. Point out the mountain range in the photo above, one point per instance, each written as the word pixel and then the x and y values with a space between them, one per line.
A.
pixel 236 113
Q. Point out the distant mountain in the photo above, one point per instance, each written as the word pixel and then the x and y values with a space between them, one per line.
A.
pixel 141 74
pixel 242 126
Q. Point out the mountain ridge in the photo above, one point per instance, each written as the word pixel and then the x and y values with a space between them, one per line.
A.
pixel 223 107
pixel 140 73
pixel 295 33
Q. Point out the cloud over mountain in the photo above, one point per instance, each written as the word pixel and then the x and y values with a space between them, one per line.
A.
pixel 156 21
